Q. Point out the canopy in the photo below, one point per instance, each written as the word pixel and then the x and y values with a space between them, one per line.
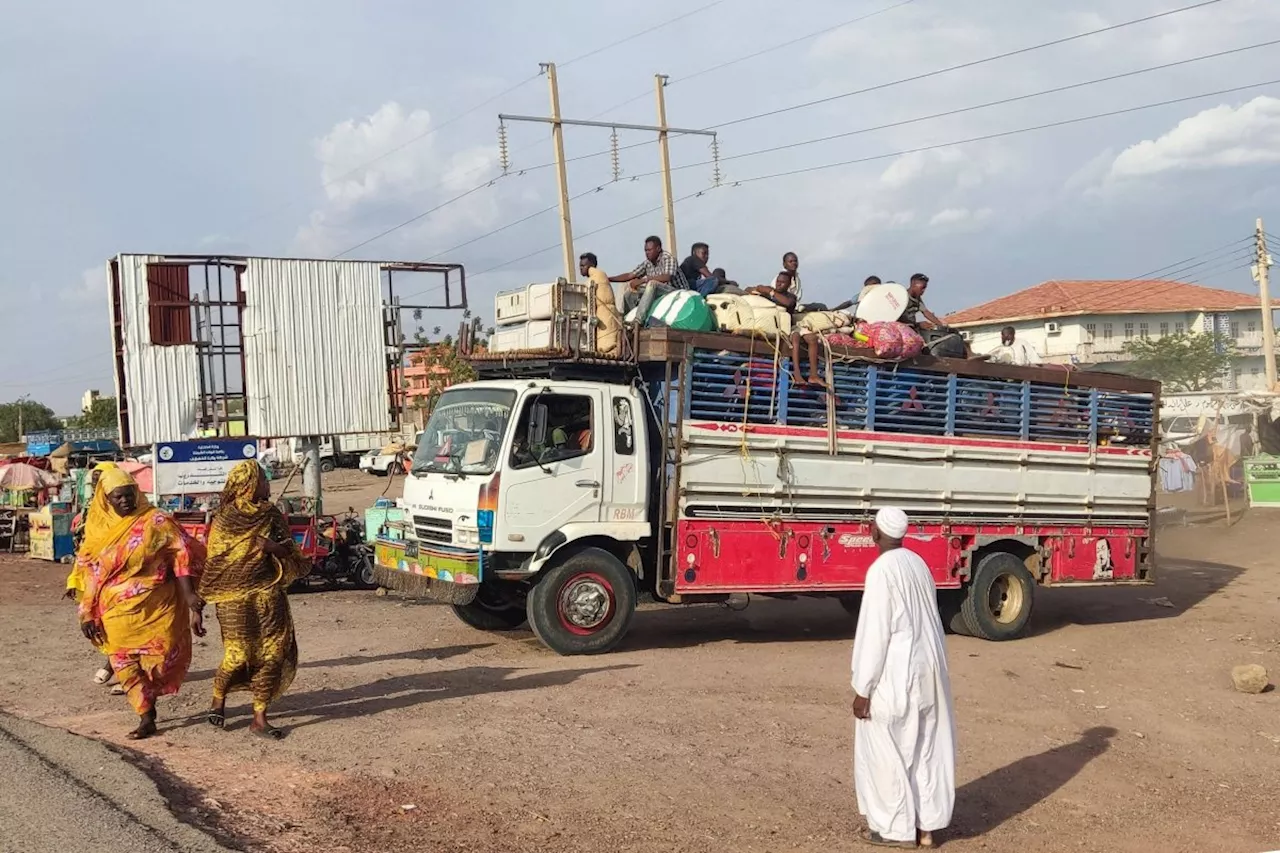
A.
pixel 141 473
pixel 19 476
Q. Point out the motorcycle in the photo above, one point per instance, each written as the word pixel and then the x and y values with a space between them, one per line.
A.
pixel 343 558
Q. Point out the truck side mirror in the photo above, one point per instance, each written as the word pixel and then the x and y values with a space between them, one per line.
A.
pixel 538 425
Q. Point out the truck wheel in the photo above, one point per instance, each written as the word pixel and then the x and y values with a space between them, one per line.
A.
pixel 997 601
pixel 584 605
pixel 483 617
pixel 852 603
pixel 326 466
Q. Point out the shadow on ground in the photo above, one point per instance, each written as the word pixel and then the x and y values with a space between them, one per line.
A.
pixel 996 798
pixel 438 653
pixel 407 691
pixel 1179 586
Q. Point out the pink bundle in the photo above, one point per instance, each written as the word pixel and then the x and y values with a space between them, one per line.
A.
pixel 894 340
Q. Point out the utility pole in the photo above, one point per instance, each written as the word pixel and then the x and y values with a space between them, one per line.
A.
pixel 1261 274
pixel 562 175
pixel 558 123
pixel 664 152
pixel 22 404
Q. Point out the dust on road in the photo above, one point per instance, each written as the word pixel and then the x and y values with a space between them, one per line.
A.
pixel 1113 728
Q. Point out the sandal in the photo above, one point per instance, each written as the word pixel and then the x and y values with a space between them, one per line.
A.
pixel 873 837
pixel 103 675
pixel 269 733
pixel 117 690
pixel 216 719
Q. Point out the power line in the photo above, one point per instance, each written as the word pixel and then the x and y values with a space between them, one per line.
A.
pixel 414 219
pixel 1005 133
pixel 985 137
pixel 758 54
pixel 645 32
pixel 963 65
pixel 914 120
pixel 961 110
pixel 593 232
pixel 920 77
pixel 366 164
pixel 945 114
pixel 878 87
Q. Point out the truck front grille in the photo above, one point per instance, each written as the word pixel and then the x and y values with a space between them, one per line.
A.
pixel 433 529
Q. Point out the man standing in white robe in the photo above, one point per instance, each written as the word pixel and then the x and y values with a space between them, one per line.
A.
pixel 904 735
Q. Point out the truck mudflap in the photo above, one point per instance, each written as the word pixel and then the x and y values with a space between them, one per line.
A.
pixel 436 573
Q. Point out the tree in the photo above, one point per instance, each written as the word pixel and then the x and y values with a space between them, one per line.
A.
pixel 1183 362
pixel 101 415
pixel 36 417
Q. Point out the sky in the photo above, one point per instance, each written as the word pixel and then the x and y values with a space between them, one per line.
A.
pixel 305 129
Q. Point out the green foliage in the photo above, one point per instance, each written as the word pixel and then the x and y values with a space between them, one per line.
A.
pixel 102 415
pixel 36 417
pixel 1183 362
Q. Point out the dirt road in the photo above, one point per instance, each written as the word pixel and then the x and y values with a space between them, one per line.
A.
pixel 1113 728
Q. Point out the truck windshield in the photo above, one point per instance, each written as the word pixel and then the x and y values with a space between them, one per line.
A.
pixel 464 434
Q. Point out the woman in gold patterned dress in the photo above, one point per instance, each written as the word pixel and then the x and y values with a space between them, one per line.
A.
pixel 251 561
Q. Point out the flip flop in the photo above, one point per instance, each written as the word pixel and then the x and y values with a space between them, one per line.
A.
pixel 216 720
pixel 103 675
pixel 875 838
pixel 117 690
pixel 269 733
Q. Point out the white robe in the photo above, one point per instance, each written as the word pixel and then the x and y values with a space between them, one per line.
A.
pixel 904 763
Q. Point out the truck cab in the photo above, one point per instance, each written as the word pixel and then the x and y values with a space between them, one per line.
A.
pixel 511 477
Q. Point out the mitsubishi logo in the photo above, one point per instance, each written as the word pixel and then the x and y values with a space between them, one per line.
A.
pixel 431 495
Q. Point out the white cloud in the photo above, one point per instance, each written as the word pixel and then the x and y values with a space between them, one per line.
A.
pixel 960 217
pixel 387 167
pixel 90 293
pixel 1220 137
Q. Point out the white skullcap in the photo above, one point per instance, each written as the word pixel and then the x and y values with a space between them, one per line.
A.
pixel 892 522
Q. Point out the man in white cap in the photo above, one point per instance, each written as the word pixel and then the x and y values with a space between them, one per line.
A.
pixel 904 763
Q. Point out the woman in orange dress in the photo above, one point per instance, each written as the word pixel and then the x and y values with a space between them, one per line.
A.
pixel 139 605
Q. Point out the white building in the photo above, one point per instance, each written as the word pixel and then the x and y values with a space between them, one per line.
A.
pixel 1087 323
pixel 90 397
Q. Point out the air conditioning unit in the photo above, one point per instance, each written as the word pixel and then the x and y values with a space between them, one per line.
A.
pixel 1053 328
pixel 966 335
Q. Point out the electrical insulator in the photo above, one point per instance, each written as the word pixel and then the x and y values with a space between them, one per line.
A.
pixel 613 154
pixel 715 161
pixel 504 153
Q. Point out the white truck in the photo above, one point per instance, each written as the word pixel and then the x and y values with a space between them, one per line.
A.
pixel 346 451
pixel 557 492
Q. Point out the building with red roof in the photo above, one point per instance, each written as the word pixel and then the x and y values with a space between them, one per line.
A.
pixel 1088 322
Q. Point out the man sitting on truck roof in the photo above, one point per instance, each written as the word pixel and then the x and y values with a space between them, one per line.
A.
pixel 695 270
pixel 915 305
pixel 871 283
pixel 779 293
pixel 657 275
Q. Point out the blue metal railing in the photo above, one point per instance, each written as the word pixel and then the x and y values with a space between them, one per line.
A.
pixel 897 399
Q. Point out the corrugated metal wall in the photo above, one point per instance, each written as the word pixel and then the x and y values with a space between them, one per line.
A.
pixel 315 363
pixel 161 383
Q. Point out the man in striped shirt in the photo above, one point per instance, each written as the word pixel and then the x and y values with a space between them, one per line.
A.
pixel 656 276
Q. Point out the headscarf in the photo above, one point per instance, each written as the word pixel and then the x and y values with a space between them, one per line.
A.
pixel 237 563
pixel 92 515
pixel 103 525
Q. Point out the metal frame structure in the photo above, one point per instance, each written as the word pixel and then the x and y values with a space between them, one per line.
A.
pixel 214 326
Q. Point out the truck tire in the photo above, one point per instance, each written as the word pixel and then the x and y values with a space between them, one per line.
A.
pixel 997 601
pixel 852 604
pixel 584 605
pixel 490 610
pixel 327 465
